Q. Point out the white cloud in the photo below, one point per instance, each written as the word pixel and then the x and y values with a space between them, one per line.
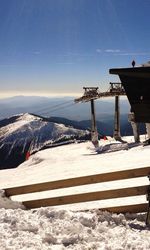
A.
pixel 134 53
pixel 112 50
pixel 98 50
pixel 108 51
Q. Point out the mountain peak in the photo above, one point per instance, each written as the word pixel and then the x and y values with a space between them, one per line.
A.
pixel 28 117
pixel 26 132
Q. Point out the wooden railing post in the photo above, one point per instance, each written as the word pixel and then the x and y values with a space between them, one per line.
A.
pixel 148 210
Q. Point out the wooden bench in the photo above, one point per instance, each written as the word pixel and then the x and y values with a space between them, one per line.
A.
pixel 90 196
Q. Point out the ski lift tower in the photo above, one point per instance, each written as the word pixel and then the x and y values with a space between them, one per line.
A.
pixel 116 89
pixel 90 94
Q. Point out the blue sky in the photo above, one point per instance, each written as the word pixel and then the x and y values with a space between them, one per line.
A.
pixel 55 47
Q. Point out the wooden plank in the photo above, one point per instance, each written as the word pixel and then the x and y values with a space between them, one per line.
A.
pixel 84 197
pixel 137 208
pixel 77 181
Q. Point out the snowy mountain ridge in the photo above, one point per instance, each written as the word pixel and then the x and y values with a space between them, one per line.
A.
pixel 29 132
pixel 23 120
pixel 30 124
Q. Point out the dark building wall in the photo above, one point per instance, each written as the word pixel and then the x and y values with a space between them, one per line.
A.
pixel 136 82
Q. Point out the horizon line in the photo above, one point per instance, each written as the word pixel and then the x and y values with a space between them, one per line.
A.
pixel 59 95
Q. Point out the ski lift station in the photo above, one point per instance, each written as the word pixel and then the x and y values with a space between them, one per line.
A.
pixel 135 84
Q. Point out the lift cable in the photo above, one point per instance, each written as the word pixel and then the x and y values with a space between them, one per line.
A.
pixel 60 108
pixel 53 107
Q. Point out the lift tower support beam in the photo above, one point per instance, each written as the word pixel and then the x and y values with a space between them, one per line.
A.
pixel 94 133
pixel 117 134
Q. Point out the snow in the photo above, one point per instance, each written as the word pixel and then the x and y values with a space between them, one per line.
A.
pixel 8 203
pixel 30 126
pixel 46 228
pixel 71 226
pixel 30 129
pixel 23 120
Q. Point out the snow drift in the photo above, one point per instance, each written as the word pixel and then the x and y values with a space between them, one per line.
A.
pixel 52 229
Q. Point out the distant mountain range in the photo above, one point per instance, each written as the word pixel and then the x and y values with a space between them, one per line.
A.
pixel 104 128
pixel 60 107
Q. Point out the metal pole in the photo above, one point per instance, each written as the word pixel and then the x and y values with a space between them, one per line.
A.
pixel 94 134
pixel 135 127
pixel 117 135
pixel 148 210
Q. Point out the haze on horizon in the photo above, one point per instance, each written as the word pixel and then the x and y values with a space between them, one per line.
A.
pixel 55 47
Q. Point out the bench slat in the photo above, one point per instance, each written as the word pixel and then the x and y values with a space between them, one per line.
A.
pixel 85 197
pixel 136 208
pixel 77 181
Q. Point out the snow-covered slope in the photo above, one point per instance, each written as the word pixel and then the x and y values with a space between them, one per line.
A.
pixel 31 128
pixel 76 160
pixel 67 227
pixel 29 132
